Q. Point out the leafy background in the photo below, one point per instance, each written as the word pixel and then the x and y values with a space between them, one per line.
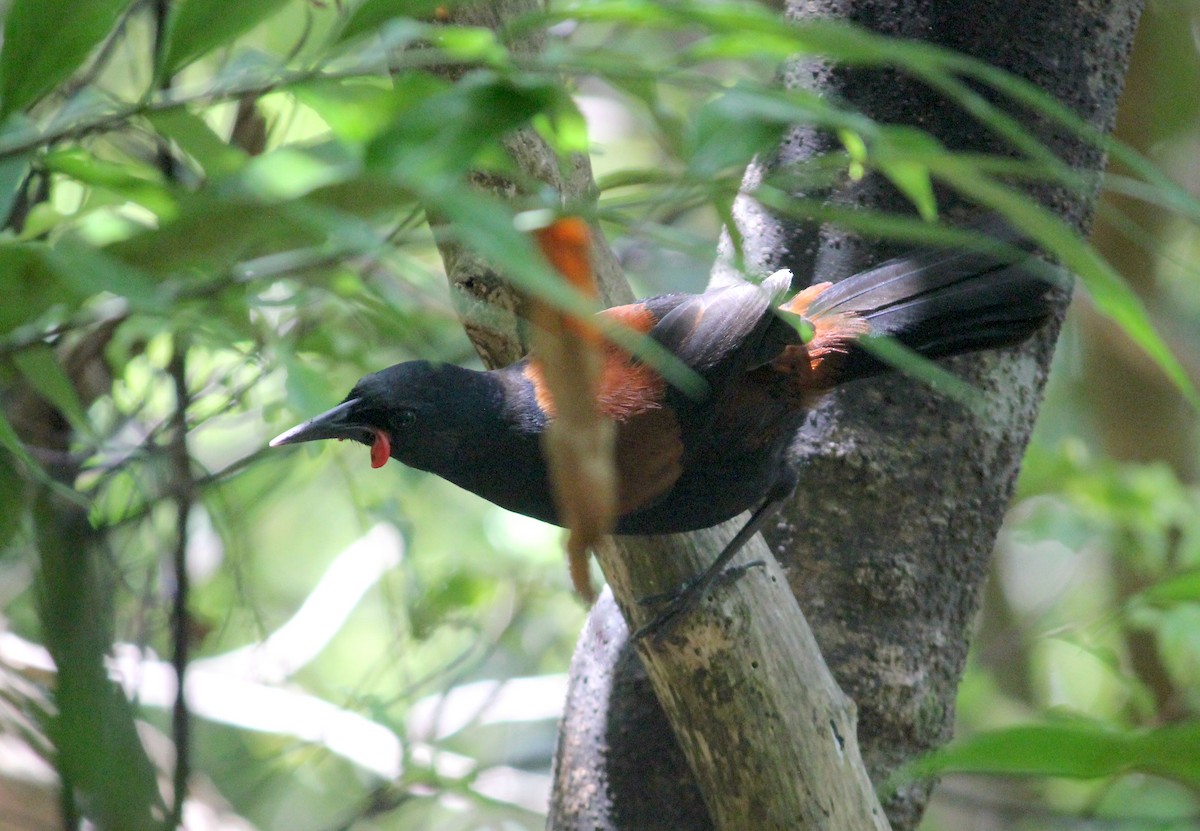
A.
pixel 226 201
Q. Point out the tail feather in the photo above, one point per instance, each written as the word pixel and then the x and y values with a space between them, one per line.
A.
pixel 936 303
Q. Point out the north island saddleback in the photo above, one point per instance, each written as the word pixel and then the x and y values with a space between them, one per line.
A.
pixel 685 463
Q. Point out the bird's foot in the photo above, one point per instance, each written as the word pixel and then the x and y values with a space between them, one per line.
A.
pixel 684 599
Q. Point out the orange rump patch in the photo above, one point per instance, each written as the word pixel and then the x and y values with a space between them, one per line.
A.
pixel 832 336
pixel 799 304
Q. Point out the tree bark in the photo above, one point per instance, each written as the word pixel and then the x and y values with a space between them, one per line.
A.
pixel 902 492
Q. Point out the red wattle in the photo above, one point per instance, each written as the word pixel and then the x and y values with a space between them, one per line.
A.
pixel 381 449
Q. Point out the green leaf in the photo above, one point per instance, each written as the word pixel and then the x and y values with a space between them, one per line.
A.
pixel 363 196
pixel 13 494
pixel 45 41
pixel 733 128
pixel 1111 294
pixel 211 234
pixel 197 139
pixel 46 376
pixel 566 130
pixel 1181 588
pixel 138 183
pixel 358 111
pixel 1080 750
pixel 369 16
pixel 915 365
pixel 307 387
pixel 14 168
pixel 12 442
pixel 473 44
pixel 445 133
pixel 31 286
pixel 912 179
pixel 93 729
pixel 196 27
pixel 899 153
pixel 1178 634
pixel 89 270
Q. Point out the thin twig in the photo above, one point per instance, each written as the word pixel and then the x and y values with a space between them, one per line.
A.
pixel 184 491
pixel 184 488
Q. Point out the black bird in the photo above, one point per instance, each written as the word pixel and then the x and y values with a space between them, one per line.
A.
pixel 682 462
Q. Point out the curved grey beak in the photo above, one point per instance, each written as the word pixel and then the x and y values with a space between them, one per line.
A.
pixel 338 423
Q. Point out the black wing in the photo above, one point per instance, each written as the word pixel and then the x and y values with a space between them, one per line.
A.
pixel 725 333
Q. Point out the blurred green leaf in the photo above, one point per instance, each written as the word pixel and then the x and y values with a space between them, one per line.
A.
pixel 444 133
pixel 95 738
pixel 138 183
pixel 12 442
pixel 307 388
pixel 1181 588
pixel 47 377
pixel 364 196
pixel 898 153
pixel 196 27
pixel 45 41
pixel 1111 294
pixel 13 492
pixel 197 139
pixel 923 369
pixel 486 224
pixel 210 234
pixel 90 270
pixel 566 130
pixel 13 169
pixel 31 286
pixel 358 111
pixel 733 128
pixel 439 602
pixel 473 44
pixel 1080 749
pixel 913 181
pixel 287 174
pixel 1178 633
pixel 370 15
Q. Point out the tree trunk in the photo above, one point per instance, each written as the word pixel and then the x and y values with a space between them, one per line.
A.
pixel 902 492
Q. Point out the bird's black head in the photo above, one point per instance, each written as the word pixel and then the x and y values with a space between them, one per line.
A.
pixel 417 412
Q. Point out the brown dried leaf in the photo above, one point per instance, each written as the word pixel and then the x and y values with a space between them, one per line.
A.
pixel 579 442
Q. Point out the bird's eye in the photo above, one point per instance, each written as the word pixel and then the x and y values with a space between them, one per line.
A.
pixel 405 417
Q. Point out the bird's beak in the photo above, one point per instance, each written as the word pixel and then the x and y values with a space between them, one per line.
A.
pixel 338 423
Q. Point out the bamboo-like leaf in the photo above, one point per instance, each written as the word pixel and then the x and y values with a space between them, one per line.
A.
pixel 139 184
pixel 13 169
pixel 32 287
pixel 197 139
pixel 1080 750
pixel 1179 588
pixel 196 27
pixel 915 365
pixel 45 42
pixel 47 377
pixel 95 739
pixel 370 16
pixel 1111 294
pixel 13 497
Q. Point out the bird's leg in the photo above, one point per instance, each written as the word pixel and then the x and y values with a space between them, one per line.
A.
pixel 692 592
